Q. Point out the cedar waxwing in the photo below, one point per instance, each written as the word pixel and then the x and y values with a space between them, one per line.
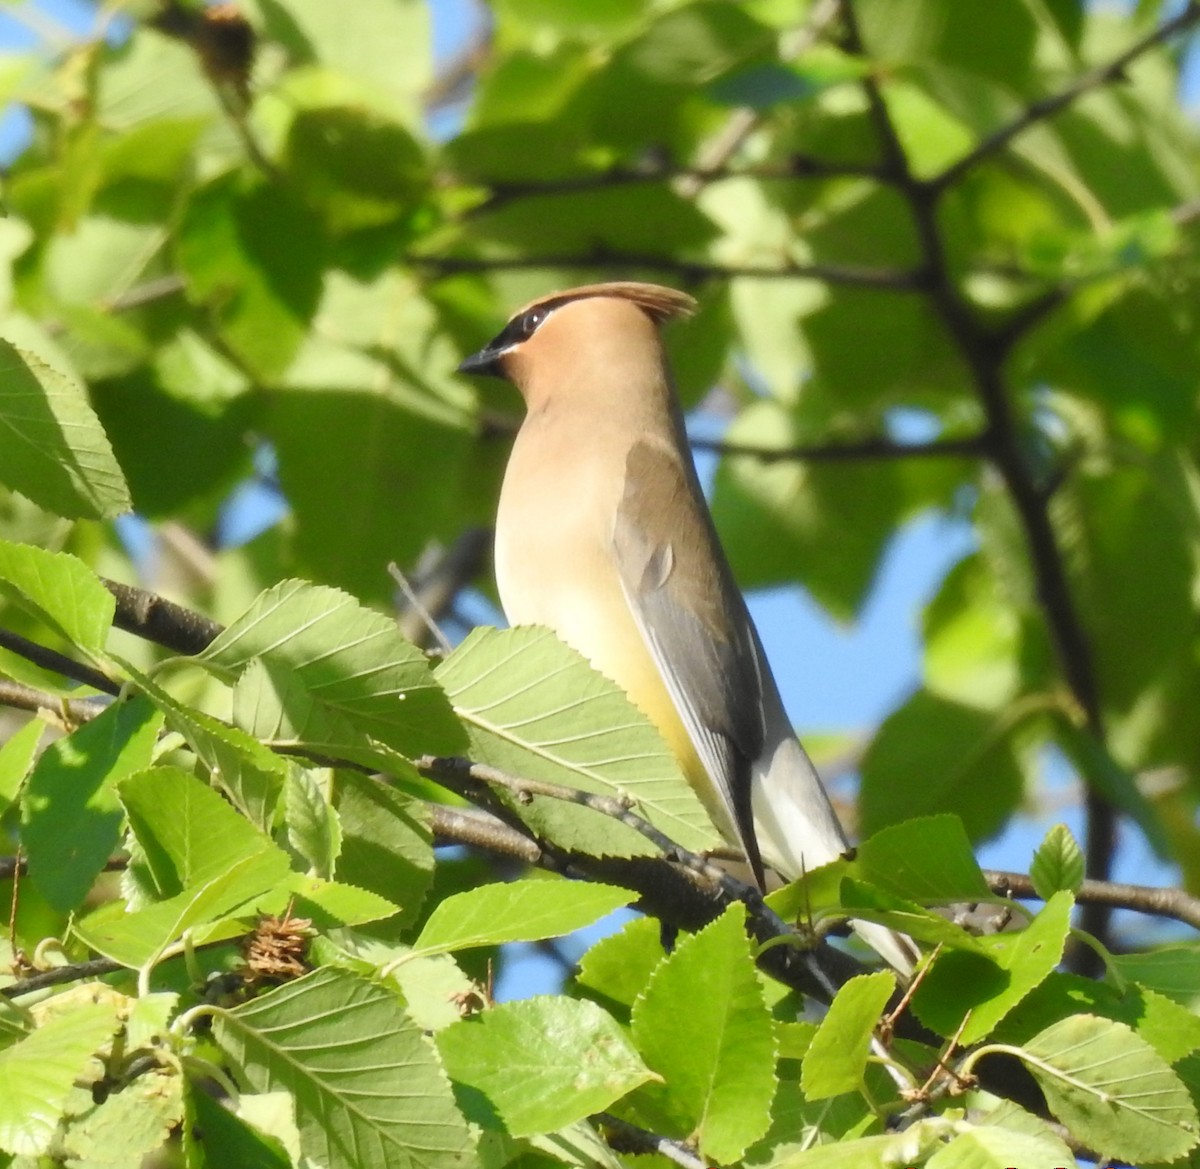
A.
pixel 604 536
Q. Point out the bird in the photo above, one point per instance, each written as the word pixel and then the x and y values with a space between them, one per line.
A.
pixel 603 535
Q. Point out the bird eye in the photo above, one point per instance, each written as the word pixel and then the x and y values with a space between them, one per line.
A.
pixel 531 320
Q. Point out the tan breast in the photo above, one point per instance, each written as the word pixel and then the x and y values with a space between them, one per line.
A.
pixel 554 562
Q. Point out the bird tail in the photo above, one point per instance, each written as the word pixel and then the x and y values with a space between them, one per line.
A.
pixel 798 830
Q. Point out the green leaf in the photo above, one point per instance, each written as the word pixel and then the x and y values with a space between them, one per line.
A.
pixel 1172 970
pixel 230 1140
pixel 717 1056
pixel 249 774
pixel 188 833
pixel 972 638
pixel 38 1073
pixel 533 707
pixel 540 1064
pixel 616 969
pixel 387 846
pixel 798 1124
pixel 990 984
pixel 176 451
pixel 55 450
pixel 1172 1030
pixel 71 819
pixel 1112 1090
pixel 697 42
pixel 778 518
pixel 369 1091
pixel 1010 1121
pixel 328 653
pixel 375 52
pixel 314 831
pixel 1057 864
pixel 865 1153
pixel 347 454
pixel 60 590
pixel 129 1124
pixel 16 758
pixel 517 911
pixel 927 858
pixel 272 704
pixel 837 1058
pixel 137 939
pixel 360 170
pixel 932 755
pixel 868 903
pixel 328 904
pixel 992 1147
pixel 644 220
pixel 236 248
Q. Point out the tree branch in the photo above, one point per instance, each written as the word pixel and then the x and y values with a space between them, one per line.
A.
pixel 818 970
pixel 49 659
pixel 438 579
pixel 1047 107
pixel 876 447
pixel 796 166
pixel 985 353
pixel 1158 902
pixel 18 696
pixel 695 271
pixel 18 866
pixel 628 1138
pixel 93 968
pixel 156 619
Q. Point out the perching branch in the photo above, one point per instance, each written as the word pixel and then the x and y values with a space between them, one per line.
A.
pixel 1047 107
pixel 679 887
pixel 1173 903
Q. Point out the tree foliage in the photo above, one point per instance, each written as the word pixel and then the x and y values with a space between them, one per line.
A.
pixel 945 255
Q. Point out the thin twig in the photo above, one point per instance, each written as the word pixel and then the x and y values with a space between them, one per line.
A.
pixel 94 968
pixel 629 1138
pixel 18 696
pixel 1149 899
pixel 148 292
pixel 844 275
pixel 796 166
pixel 1047 107
pixel 439 577
pixel 479 829
pixel 11 866
pixel 876 447
pixel 719 149
pixel 156 619
pixel 49 659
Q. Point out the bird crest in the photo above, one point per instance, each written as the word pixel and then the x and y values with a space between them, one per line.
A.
pixel 659 303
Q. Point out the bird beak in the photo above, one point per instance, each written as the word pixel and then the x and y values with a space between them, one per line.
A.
pixel 487 361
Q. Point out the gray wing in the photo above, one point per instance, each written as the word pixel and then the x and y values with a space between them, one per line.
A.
pixel 695 623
